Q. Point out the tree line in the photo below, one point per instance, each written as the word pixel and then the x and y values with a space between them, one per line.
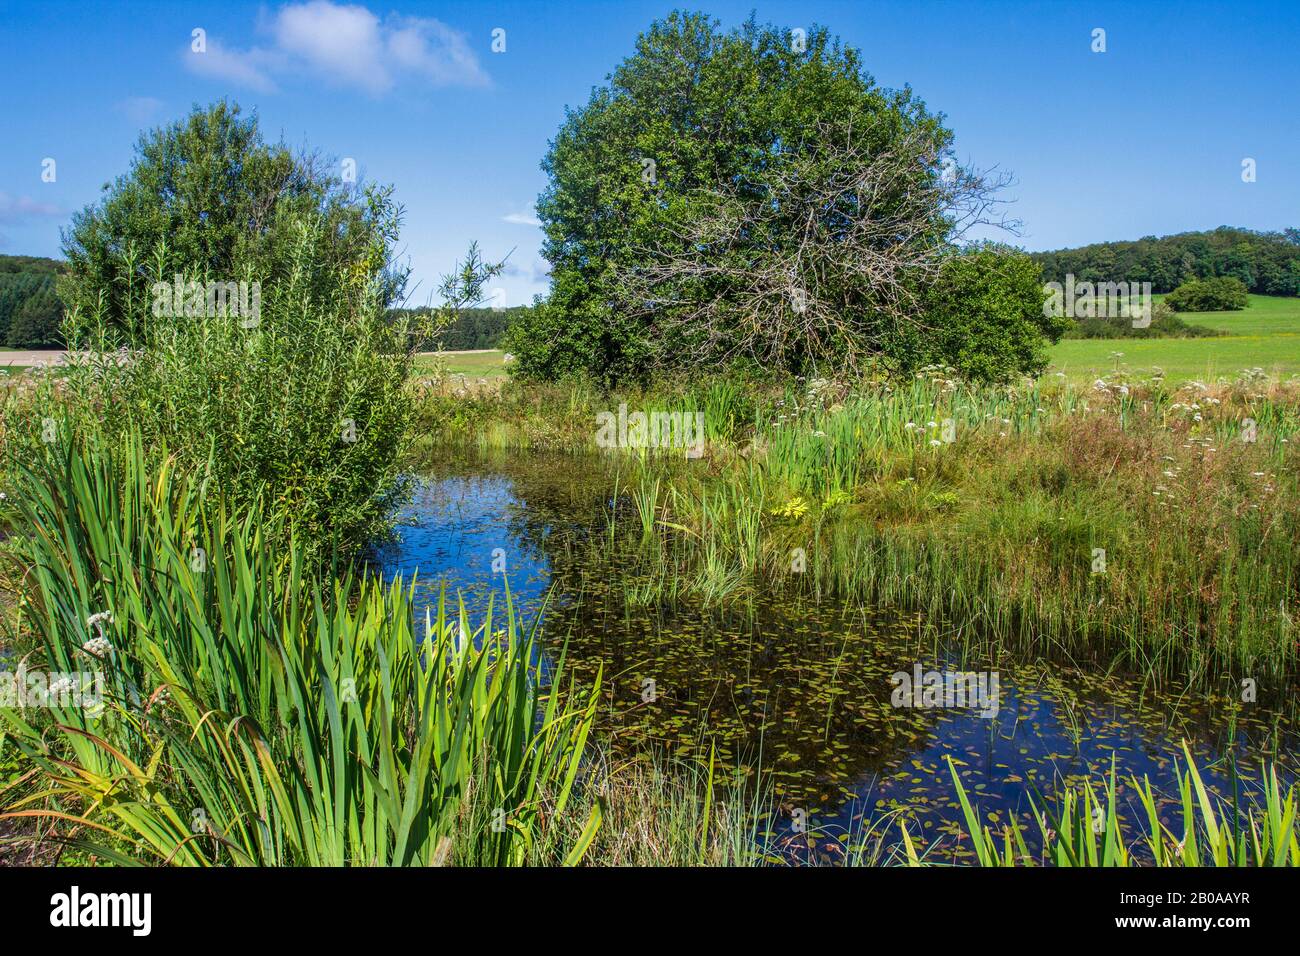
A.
pixel 470 328
pixel 1267 263
pixel 30 308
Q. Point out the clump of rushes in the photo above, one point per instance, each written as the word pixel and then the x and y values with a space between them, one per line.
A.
pixel 1125 522
pixel 1088 829
pixel 255 715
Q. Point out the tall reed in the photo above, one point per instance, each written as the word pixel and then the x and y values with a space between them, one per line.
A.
pixel 1088 829
pixel 254 714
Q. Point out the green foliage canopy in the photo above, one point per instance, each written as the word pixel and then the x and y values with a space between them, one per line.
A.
pixel 692 108
pixel 207 197
pixel 721 182
pixel 1218 294
pixel 1268 263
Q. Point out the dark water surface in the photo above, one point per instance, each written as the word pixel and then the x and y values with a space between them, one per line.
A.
pixel 802 687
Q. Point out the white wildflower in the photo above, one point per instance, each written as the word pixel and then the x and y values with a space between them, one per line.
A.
pixel 99 646
pixel 99 619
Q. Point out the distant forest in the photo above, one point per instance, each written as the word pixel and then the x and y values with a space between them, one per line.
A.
pixel 475 328
pixel 1267 262
pixel 30 309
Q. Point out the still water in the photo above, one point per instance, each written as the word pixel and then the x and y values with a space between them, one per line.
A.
pixel 806 689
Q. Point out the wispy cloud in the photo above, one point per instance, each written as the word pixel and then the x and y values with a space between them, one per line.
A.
pixel 250 68
pixel 345 45
pixel 16 209
pixel 537 272
pixel 525 217
pixel 139 109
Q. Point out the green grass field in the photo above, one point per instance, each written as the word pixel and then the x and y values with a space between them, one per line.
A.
pixel 473 365
pixel 1266 335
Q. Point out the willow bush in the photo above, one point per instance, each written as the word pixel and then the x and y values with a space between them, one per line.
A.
pixel 298 402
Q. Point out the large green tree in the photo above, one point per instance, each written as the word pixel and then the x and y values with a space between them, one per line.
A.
pixel 208 197
pixel 749 195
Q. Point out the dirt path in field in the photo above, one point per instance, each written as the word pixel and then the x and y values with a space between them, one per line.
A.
pixel 48 356
pixel 56 356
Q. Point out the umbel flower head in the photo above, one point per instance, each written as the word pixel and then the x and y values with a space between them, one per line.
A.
pixel 99 619
pixel 98 646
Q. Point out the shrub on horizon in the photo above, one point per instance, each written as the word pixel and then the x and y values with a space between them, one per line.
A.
pixel 1216 294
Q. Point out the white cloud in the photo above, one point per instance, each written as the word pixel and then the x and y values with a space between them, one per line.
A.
pixel 348 45
pixel 434 50
pixel 21 208
pixel 340 41
pixel 248 68
pixel 139 109
pixel 525 217
pixel 538 272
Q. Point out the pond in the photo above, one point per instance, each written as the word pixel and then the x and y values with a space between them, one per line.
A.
pixel 811 690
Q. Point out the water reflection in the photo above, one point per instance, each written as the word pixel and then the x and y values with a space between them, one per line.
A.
pixel 803 688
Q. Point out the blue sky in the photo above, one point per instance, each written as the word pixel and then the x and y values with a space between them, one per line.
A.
pixel 1145 138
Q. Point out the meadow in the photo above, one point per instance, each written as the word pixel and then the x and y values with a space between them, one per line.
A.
pixel 489 363
pixel 1266 335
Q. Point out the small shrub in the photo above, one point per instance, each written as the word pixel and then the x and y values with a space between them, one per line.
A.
pixel 1219 294
pixel 1165 324
pixel 984 317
